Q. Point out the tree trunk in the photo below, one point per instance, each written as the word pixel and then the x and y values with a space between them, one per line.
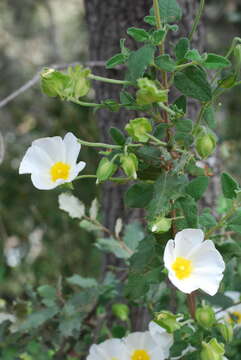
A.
pixel 107 23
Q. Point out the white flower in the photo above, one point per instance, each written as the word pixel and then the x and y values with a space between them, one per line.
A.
pixel 142 346
pixel 52 161
pixel 112 349
pixel 233 313
pixel 193 263
pixel 72 205
pixel 161 337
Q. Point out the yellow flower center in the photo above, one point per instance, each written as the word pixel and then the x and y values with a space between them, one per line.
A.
pixel 59 170
pixel 140 355
pixel 236 317
pixel 182 268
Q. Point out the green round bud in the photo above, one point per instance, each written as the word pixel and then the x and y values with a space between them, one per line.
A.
pixel 53 82
pixel 121 311
pixel 106 168
pixel 161 225
pixel 129 164
pixel 205 317
pixel 226 331
pixel 137 129
pixel 205 145
pixel 168 321
pixel 212 350
pixel 149 93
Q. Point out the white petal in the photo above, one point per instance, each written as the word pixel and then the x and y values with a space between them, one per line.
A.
pixel 72 148
pixel 43 182
pixel 186 240
pixel 109 349
pixel 140 340
pixel 186 285
pixel 75 170
pixel 53 146
pixel 209 283
pixel 169 257
pixel 207 259
pixel 161 337
pixel 35 161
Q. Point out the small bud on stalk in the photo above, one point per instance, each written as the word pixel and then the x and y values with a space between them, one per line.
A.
pixel 121 311
pixel 137 129
pixel 226 331
pixel 212 350
pixel 129 164
pixel 205 317
pixel 106 169
pixel 149 93
pixel 205 145
pixel 161 225
pixel 168 321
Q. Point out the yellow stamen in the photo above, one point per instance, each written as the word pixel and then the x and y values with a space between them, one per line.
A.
pixel 59 170
pixel 140 355
pixel 182 268
pixel 235 316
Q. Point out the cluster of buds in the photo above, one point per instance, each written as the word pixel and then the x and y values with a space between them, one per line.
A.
pixel 73 85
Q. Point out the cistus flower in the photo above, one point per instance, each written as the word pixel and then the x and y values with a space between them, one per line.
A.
pixel 112 349
pixel 142 346
pixel 52 161
pixel 193 263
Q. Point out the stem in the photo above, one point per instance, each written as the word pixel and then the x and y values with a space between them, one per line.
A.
pixel 167 109
pixel 183 66
pixel 157 14
pixel 199 119
pixel 107 80
pixel 191 304
pixel 107 146
pixel 83 103
pixel 85 177
pixel 221 221
pixel 162 143
pixel 197 19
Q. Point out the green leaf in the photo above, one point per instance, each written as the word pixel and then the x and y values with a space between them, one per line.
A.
pixel 181 103
pixel 113 246
pixel 126 98
pixel 183 131
pixel 117 136
pixel 197 187
pixel 110 104
pixel 189 208
pixel 229 185
pixel 229 249
pixel 38 318
pixel 48 293
pixel 138 195
pixel 133 234
pixel 181 48
pixel 207 220
pixel 88 225
pixel 209 117
pixel 138 34
pixel 115 60
pixel 193 55
pixel 158 36
pixel 164 62
pixel 82 282
pixel 192 82
pixel 139 284
pixel 70 326
pixel 234 222
pixel 214 61
pixel 144 255
pixel 168 187
pixel 151 20
pixel 170 11
pixel 138 62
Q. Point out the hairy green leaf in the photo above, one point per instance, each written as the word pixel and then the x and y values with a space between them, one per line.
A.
pixel 229 185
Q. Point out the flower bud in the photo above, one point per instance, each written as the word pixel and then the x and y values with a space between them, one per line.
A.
pixel 237 54
pixel 168 321
pixel 226 331
pixel 205 145
pixel 79 84
pixel 212 350
pixel 53 82
pixel 129 164
pixel 106 168
pixel 161 225
pixel 149 93
pixel 137 129
pixel 121 311
pixel 205 316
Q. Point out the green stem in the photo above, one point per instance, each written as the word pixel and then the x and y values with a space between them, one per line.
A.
pixel 222 221
pixel 197 19
pixel 114 179
pixel 167 109
pixel 107 146
pixel 157 14
pixel 83 103
pixel 107 80
pixel 183 66
pixel 85 177
pixel 199 119
pixel 162 143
